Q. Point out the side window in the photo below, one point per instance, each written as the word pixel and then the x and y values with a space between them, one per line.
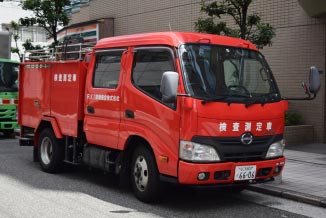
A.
pixel 148 68
pixel 107 69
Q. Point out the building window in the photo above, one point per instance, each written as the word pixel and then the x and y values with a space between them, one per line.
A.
pixel 35 34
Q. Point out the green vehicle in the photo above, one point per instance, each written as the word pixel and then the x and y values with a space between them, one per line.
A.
pixel 8 96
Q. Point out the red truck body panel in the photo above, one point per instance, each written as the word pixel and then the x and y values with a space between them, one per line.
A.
pixel 34 100
pixel 52 89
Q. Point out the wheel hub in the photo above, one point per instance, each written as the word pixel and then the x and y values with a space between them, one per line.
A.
pixel 46 151
pixel 141 173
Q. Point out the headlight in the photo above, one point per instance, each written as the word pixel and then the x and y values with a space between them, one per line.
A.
pixel 275 150
pixel 197 152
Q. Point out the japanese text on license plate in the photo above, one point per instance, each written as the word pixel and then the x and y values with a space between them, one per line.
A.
pixel 245 172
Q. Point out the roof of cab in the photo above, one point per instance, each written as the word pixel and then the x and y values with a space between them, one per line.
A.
pixel 171 39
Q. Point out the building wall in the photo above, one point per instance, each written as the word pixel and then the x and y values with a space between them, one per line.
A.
pixel 299 43
pixel 10 10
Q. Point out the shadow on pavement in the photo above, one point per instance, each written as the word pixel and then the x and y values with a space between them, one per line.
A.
pixel 16 162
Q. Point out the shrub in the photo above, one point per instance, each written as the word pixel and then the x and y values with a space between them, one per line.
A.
pixel 293 118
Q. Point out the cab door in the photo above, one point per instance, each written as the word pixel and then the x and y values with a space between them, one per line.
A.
pixel 145 113
pixel 103 98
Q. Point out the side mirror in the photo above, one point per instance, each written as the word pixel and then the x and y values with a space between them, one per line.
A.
pixel 314 85
pixel 314 80
pixel 169 86
pixel 87 59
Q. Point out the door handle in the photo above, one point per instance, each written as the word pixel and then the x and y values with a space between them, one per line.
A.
pixel 90 109
pixel 37 103
pixel 130 114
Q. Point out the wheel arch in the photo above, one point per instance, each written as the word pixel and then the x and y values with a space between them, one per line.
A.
pixel 50 123
pixel 133 142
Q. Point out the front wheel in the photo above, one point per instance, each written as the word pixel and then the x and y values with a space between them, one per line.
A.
pixel 50 152
pixel 145 176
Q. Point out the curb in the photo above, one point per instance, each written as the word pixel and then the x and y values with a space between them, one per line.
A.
pixel 288 194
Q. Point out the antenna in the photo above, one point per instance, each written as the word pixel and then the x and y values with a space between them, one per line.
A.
pixel 170 27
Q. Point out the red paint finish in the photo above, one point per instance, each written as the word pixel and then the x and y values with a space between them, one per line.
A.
pixel 53 89
pixel 188 172
pixel 103 126
pixel 67 95
pixel 156 123
pixel 34 93
pixel 171 39
pixel 225 120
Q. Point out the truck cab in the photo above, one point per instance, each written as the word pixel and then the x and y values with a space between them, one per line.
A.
pixel 8 96
pixel 187 108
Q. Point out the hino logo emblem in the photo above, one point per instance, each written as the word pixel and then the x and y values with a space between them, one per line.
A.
pixel 247 138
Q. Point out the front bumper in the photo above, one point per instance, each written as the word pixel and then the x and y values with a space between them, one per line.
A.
pixel 8 125
pixel 223 173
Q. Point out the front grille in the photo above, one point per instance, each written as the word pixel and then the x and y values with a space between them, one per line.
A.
pixel 7 119
pixel 8 115
pixel 230 149
pixel 246 156
pixel 236 140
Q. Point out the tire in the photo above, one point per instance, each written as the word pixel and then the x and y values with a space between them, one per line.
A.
pixel 35 154
pixel 50 152
pixel 144 175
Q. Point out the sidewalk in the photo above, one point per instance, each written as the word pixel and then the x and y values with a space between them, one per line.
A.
pixel 303 178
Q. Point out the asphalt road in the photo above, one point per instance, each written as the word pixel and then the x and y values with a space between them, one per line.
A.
pixel 26 191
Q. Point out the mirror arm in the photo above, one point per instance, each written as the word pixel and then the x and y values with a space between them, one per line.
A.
pixel 314 85
pixel 185 95
pixel 305 88
pixel 298 99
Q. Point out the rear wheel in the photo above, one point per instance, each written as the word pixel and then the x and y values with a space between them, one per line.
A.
pixel 50 152
pixel 35 154
pixel 145 176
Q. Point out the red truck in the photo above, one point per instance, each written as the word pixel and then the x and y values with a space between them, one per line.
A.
pixel 186 108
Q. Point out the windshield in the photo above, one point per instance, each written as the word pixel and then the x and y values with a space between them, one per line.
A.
pixel 8 76
pixel 213 72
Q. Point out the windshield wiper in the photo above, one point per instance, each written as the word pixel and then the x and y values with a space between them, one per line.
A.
pixel 240 95
pixel 270 96
pixel 223 97
pixel 263 99
pixel 218 98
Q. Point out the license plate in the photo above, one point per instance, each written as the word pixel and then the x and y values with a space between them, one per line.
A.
pixel 245 172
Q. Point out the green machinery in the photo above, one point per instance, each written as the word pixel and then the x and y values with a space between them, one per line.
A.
pixel 8 96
